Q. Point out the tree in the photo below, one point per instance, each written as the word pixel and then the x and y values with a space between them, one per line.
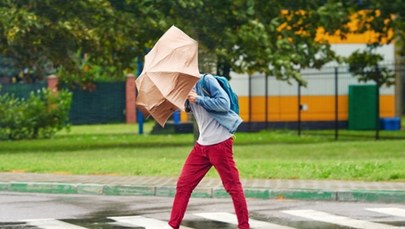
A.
pixel 48 35
pixel 386 21
pixel 286 42
pixel 385 18
pixel 277 38
pixel 280 38
pixel 214 24
pixel 274 37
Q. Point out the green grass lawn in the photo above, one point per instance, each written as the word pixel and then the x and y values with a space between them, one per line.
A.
pixel 118 150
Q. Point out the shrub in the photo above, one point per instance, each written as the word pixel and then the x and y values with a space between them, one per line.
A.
pixel 39 116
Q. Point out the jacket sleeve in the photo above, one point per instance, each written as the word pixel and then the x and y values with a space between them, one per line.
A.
pixel 217 100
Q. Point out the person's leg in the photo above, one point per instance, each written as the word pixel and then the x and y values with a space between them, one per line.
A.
pixel 194 169
pixel 221 156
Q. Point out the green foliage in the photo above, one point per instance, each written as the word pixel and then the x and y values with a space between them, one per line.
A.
pixel 7 67
pixel 40 116
pixel 45 35
pixel 267 37
pixel 90 73
pixel 385 18
pixel 87 39
pixel 366 66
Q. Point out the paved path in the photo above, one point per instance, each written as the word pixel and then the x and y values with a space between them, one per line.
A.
pixel 209 187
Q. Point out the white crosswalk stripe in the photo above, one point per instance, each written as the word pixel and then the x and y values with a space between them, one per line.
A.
pixel 51 224
pixel 140 221
pixel 339 220
pixel 389 211
pixel 231 218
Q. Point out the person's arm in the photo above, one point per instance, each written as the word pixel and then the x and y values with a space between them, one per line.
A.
pixel 217 100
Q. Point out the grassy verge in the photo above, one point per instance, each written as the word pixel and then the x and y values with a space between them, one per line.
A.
pixel 117 149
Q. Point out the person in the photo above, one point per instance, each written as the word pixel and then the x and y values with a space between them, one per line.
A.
pixel 217 123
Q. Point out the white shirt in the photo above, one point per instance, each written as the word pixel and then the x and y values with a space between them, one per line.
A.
pixel 211 132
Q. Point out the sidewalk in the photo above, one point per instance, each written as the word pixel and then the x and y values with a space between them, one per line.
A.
pixel 208 188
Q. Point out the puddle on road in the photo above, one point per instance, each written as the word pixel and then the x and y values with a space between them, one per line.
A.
pixel 100 223
pixel 293 224
pixel 16 226
pixel 207 224
pixel 105 223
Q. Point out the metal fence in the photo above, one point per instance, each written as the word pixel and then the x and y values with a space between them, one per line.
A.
pixel 104 104
pixel 327 102
pixel 322 107
pixel 21 90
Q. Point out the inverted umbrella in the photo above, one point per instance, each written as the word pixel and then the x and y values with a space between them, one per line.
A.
pixel 170 72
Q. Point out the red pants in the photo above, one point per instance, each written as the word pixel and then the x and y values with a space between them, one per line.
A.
pixel 200 160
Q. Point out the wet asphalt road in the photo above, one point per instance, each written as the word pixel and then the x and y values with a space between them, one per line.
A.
pixel 94 211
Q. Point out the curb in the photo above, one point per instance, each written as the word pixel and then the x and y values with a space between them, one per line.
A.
pixel 386 196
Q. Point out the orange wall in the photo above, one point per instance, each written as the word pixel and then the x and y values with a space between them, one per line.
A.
pixel 320 108
pixel 285 108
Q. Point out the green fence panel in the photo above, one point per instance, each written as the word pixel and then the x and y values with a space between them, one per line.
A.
pixel 362 107
pixel 21 90
pixel 106 104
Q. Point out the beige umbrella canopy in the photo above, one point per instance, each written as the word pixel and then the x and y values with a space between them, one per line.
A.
pixel 170 72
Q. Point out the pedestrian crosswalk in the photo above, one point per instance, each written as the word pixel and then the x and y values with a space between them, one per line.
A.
pixel 140 221
pixel 231 219
pixel 389 211
pixel 51 224
pixel 226 218
pixel 335 219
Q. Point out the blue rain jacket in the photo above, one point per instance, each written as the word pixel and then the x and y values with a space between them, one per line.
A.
pixel 217 103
